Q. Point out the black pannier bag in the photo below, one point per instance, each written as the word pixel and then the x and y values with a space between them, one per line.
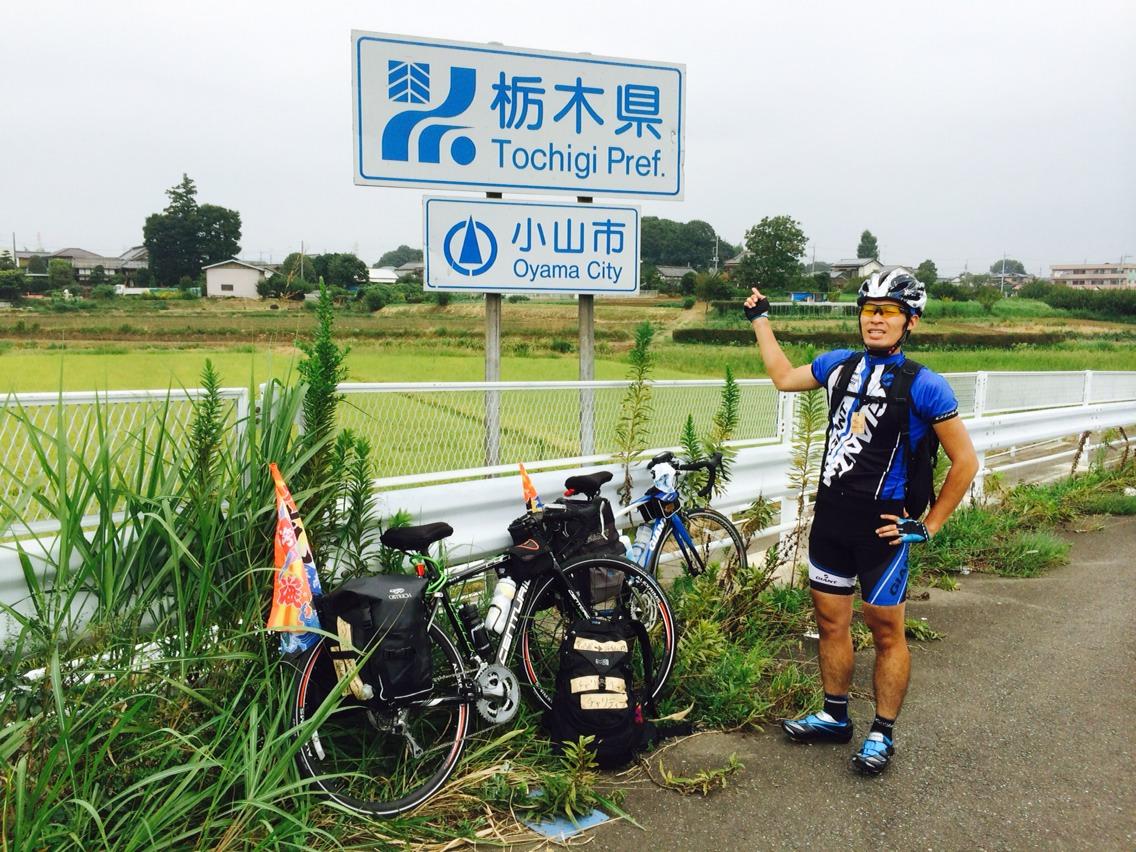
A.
pixel 595 691
pixel 583 528
pixel 382 620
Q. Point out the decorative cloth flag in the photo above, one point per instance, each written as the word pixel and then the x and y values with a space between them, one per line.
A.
pixel 528 491
pixel 297 583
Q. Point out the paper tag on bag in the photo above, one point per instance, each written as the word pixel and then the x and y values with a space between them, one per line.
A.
pixel 859 423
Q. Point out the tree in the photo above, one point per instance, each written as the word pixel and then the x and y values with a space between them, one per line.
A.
pixel 987 297
pixel 667 242
pixel 12 284
pixel 301 268
pixel 927 272
pixel 6 261
pixel 711 286
pixel 98 275
pixel 344 270
pixel 60 274
pixel 219 234
pixel 397 257
pixel 185 237
pixel 37 265
pixel 868 246
pixel 1008 266
pixel 775 246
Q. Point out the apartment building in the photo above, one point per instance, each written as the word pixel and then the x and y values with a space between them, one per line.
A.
pixel 1095 276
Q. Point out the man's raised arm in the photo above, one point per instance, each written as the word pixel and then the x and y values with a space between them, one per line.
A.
pixel 785 376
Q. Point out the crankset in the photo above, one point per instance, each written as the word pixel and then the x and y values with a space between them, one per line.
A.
pixel 499 694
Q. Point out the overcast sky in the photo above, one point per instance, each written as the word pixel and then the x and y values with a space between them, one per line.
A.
pixel 954 131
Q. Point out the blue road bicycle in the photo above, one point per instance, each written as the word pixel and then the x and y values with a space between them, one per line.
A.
pixel 676 539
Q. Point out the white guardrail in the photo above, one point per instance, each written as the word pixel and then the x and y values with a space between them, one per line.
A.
pixel 449 451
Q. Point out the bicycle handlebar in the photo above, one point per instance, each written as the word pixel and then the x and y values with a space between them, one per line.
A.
pixel 709 465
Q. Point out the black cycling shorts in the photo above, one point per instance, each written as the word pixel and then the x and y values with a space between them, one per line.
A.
pixel 843 546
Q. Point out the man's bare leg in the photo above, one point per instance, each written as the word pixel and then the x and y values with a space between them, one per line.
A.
pixel 893 660
pixel 834 624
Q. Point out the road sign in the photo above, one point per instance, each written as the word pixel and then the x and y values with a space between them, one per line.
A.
pixel 457 115
pixel 490 246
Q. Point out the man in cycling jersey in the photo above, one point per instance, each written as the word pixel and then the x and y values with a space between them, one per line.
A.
pixel 860 529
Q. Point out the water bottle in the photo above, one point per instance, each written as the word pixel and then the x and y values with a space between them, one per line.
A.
pixel 502 603
pixel 638 551
pixel 626 542
pixel 477 636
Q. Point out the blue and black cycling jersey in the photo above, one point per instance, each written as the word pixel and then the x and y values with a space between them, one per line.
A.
pixel 871 463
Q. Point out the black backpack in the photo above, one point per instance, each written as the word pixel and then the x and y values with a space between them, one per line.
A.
pixel 919 490
pixel 596 694
pixel 382 619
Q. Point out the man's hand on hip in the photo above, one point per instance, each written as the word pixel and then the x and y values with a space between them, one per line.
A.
pixel 903 530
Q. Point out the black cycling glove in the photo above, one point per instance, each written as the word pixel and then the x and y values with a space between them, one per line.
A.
pixel 760 309
pixel 912 531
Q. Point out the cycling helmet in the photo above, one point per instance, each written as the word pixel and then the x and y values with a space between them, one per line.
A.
pixel 898 285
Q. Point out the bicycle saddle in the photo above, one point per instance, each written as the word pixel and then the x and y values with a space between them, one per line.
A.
pixel 416 539
pixel 587 483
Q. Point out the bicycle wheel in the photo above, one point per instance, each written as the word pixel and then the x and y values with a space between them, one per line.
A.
pixel 615 586
pixel 375 762
pixel 712 539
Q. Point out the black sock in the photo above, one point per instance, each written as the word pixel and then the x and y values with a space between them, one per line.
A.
pixel 880 725
pixel 836 706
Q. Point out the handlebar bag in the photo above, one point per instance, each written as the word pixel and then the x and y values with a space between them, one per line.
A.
pixel 382 620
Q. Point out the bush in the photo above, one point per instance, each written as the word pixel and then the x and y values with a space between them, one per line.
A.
pixel 517 297
pixel 442 299
pixel 374 299
pixel 838 339
pixel 688 303
pixel 103 291
pixel 9 293
pixel 560 346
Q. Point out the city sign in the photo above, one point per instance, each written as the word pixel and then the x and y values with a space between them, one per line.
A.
pixel 457 115
pixel 492 246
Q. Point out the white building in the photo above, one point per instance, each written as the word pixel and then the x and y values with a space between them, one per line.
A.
pixel 235 278
pixel 1095 276
pixel 382 275
pixel 860 267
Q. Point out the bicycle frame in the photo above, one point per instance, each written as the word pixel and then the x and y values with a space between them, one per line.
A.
pixel 674 521
pixel 438 590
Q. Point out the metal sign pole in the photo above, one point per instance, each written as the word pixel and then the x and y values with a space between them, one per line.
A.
pixel 587 331
pixel 492 372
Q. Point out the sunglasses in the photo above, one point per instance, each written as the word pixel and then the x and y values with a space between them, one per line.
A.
pixel 881 311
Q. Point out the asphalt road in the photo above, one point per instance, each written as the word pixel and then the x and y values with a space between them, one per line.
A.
pixel 1018 733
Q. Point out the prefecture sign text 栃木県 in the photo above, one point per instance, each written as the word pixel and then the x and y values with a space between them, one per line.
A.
pixel 483 117
pixel 492 246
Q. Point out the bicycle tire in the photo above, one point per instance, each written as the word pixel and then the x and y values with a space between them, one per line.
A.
pixel 544 620
pixel 351 759
pixel 712 534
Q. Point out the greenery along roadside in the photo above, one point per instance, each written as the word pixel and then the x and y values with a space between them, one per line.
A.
pixel 189 739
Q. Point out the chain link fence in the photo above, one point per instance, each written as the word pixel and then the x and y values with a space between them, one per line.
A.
pixel 122 425
pixel 416 429
pixel 425 430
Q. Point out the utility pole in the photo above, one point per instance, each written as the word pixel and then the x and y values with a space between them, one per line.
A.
pixel 301 262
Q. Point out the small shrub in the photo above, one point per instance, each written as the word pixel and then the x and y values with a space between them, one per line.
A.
pixel 559 345
pixel 688 303
pixel 516 297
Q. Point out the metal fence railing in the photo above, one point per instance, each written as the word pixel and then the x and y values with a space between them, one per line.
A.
pixel 422 432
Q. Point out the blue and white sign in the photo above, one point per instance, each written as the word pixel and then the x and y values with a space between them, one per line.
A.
pixel 455 115
pixel 492 246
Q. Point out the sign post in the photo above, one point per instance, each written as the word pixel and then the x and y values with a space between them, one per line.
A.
pixel 464 116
